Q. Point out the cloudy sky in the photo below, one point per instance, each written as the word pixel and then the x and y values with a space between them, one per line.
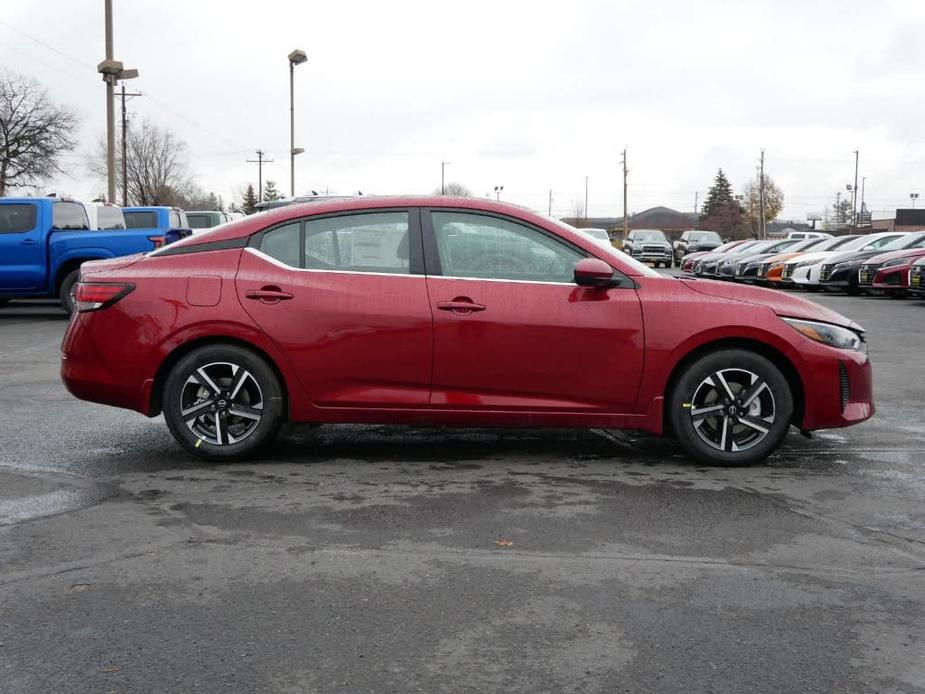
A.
pixel 529 95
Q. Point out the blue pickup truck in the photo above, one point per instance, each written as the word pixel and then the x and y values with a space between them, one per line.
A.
pixel 43 241
pixel 169 221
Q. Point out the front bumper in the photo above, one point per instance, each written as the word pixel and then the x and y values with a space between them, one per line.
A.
pixel 838 387
pixel 844 278
pixel 896 277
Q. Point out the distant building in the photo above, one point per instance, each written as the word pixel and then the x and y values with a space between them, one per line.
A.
pixel 910 220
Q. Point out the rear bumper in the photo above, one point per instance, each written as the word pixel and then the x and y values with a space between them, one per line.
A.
pixel 88 376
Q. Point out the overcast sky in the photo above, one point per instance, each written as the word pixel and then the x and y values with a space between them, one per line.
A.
pixel 529 95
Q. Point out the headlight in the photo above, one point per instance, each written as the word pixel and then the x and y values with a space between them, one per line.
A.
pixel 828 334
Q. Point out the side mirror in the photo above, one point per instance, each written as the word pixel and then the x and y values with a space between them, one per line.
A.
pixel 594 272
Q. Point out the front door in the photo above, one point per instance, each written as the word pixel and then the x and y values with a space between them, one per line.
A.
pixel 344 298
pixel 22 248
pixel 511 328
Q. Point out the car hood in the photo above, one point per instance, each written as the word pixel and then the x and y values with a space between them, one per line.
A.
pixel 782 304
pixel 910 253
pixel 782 257
pixel 92 267
pixel 756 258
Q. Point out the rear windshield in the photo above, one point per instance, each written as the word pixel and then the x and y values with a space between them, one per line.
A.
pixel 141 220
pixel 198 221
pixel 69 215
pixel 110 218
pixel 15 219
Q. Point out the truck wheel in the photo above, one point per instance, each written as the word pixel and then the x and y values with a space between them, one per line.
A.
pixel 66 293
pixel 730 407
pixel 223 402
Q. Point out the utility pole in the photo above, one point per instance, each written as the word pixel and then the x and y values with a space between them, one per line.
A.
pixel 550 202
pixel 443 177
pixel 112 71
pixel 625 211
pixel 125 96
pixel 854 194
pixel 763 230
pixel 696 214
pixel 863 186
pixel 586 201
pixel 259 161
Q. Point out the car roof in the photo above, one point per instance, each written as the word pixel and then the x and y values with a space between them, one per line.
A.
pixel 261 220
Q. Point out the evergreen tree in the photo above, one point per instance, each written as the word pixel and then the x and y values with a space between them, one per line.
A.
pixel 213 202
pixel 270 192
pixel 249 203
pixel 720 194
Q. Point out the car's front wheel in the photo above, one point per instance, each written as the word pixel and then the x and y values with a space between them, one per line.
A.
pixel 730 407
pixel 223 402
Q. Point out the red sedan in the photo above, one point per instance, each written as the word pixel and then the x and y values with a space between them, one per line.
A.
pixel 450 311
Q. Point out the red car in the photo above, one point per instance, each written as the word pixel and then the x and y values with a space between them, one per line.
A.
pixel 449 311
pixel 889 272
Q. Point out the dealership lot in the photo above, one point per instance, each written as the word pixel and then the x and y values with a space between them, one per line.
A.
pixel 389 559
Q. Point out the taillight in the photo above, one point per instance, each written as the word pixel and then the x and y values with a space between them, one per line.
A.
pixel 92 296
pixel 158 241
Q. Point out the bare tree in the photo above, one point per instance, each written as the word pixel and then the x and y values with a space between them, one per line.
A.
pixel 454 189
pixel 773 202
pixel 34 132
pixel 156 168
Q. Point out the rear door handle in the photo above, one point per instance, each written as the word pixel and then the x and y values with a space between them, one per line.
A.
pixel 268 294
pixel 461 304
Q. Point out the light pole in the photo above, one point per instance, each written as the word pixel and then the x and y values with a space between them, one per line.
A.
pixel 112 71
pixel 297 57
pixel 443 177
pixel 851 189
pixel 914 197
pixel 498 190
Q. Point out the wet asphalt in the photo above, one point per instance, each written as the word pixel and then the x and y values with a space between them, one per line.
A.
pixel 388 559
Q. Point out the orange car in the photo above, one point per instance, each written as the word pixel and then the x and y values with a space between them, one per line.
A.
pixel 769 272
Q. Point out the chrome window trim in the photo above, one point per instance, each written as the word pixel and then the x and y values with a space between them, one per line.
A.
pixel 279 263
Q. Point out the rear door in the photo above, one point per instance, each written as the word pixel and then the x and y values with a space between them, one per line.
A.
pixel 22 247
pixel 512 331
pixel 344 298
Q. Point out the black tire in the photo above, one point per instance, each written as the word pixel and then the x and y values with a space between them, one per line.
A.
pixel 693 393
pixel 66 291
pixel 218 433
pixel 4 302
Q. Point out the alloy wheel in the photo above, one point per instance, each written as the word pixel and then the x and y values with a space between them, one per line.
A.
pixel 221 403
pixel 732 410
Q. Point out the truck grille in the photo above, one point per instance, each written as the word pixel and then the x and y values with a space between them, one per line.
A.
pixel 825 272
pixel 654 249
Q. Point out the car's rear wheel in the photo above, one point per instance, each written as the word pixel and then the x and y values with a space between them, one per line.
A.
pixel 223 402
pixel 731 407
pixel 67 290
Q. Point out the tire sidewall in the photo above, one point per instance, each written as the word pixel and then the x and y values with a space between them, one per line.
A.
pixel 274 402
pixel 695 373
pixel 64 293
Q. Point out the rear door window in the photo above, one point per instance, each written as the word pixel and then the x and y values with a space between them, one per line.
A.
pixel 69 215
pixel 16 219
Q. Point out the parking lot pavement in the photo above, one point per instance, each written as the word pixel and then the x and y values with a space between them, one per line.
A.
pixel 387 559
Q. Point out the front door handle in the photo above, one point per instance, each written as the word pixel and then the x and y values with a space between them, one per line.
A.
pixel 269 295
pixel 461 304
pixel 29 242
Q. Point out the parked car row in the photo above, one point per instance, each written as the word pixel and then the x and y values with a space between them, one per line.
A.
pixel 884 262
pixel 43 241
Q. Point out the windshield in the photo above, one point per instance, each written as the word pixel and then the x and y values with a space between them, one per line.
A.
pixel 649 235
pixel 889 243
pixel 704 237
pixel 837 242
pixel 599 234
